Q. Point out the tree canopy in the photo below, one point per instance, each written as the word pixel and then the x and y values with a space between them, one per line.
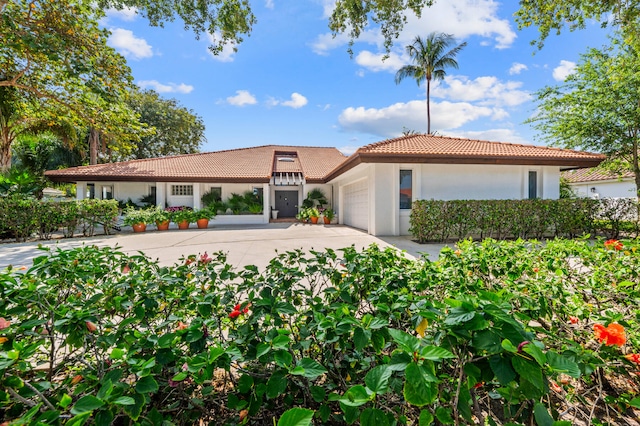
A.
pixel 597 107
pixel 55 52
pixel 553 16
pixel 178 130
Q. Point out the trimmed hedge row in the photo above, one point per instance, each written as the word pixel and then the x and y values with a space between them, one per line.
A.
pixel 437 220
pixel 22 217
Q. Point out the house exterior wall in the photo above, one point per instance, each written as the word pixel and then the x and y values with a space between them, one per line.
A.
pixel 122 191
pixel 605 188
pixel 441 182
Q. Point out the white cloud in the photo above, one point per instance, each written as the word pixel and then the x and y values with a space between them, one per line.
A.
pixel 268 4
pixel 390 121
pixel 297 101
pixel 486 90
pixel 129 45
pixel 461 18
pixel 125 14
pixel 562 71
pixel 374 62
pixel 242 98
pixel 165 88
pixel 517 68
pixel 228 51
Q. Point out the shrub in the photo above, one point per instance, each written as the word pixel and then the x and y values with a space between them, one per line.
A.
pixel 498 329
pixel 436 220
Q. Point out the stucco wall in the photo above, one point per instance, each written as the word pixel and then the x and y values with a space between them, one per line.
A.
pixel 122 191
pixel 442 182
pixel 606 189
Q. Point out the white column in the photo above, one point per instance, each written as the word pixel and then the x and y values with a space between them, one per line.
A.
pixel 81 190
pixel 161 194
pixel 196 195
pixel 266 202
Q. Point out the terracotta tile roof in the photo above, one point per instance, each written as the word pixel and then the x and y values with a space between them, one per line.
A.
pixel 440 149
pixel 237 165
pixel 286 163
pixel 592 175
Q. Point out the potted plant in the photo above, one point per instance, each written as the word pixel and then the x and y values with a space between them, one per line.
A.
pixel 162 218
pixel 314 214
pixel 303 215
pixel 137 219
pixel 328 216
pixel 183 217
pixel 202 217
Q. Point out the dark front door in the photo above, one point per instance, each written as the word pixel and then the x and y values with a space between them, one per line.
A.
pixel 287 203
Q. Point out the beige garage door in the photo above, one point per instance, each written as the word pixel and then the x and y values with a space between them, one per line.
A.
pixel 356 205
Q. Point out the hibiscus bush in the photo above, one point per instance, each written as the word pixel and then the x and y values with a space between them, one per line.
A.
pixel 499 332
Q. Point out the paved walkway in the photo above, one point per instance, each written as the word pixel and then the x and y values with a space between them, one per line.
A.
pixel 244 245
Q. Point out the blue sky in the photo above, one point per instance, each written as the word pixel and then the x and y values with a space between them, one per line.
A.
pixel 291 83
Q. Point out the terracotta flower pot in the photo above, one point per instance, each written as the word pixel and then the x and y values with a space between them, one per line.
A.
pixel 202 223
pixel 314 219
pixel 139 227
pixel 162 226
pixel 183 225
pixel 326 220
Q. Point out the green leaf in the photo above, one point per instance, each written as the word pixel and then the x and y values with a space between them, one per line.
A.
pixel 426 418
pixel 116 353
pixel 147 384
pixel 310 368
pixel 281 342
pixel 529 370
pixel 406 341
pixel 487 340
pixel 104 418
pixel 444 416
pixel 105 390
pixel 78 420
pixel 318 393
pixel 134 411
pixel 245 383
pixel 373 417
pixel 533 350
pixel 502 369
pixel 361 338
pixel 85 404
pixel 296 417
pixel 417 390
pixel 377 379
pixel 277 384
pixel 283 358
pixel 65 401
pixel 635 402
pixel 356 396
pixel 561 364
pixel 262 349
pixel 124 400
pixel 435 353
pixel 180 376
pixel 543 418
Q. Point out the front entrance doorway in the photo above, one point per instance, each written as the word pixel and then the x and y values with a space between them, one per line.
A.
pixel 287 203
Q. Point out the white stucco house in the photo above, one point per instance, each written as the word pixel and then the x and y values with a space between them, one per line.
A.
pixel 596 183
pixel 371 190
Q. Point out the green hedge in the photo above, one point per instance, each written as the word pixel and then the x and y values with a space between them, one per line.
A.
pixel 22 217
pixel 437 220
pixel 498 332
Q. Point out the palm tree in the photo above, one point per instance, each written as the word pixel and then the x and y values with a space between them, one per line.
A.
pixel 430 58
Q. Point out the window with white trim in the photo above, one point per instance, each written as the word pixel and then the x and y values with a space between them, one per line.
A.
pixel 533 184
pixel 406 189
pixel 182 190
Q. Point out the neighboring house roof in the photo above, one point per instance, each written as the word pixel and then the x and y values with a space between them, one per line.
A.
pixel 594 175
pixel 250 165
pixel 423 148
pixel 317 165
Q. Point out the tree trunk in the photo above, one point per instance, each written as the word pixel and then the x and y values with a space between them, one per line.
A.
pixel 5 156
pixel 636 166
pixel 6 139
pixel 428 107
pixel 94 140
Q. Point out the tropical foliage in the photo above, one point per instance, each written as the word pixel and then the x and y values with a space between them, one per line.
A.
pixel 510 332
pixel 431 56
pixel 595 108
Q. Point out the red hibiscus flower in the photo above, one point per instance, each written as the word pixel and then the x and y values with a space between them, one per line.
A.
pixel 635 358
pixel 234 314
pixel 612 335
pixel 613 245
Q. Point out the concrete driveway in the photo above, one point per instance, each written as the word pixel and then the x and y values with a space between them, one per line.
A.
pixel 244 245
